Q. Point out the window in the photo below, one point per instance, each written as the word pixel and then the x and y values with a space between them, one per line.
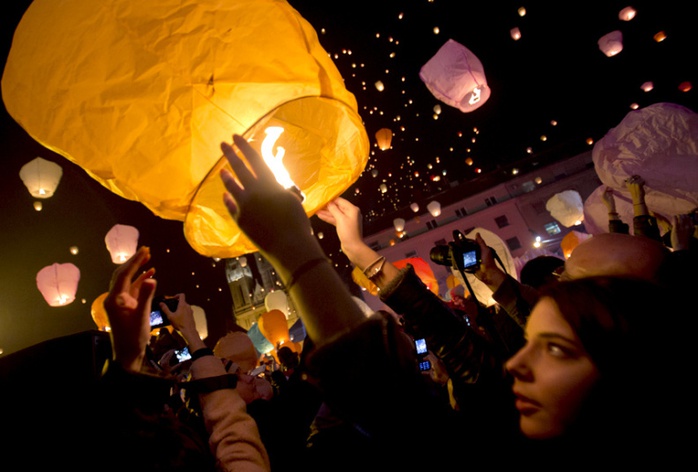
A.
pixel 552 228
pixel 431 224
pixel 490 201
pixel 513 243
pixel 501 221
pixel 461 212
pixel 411 254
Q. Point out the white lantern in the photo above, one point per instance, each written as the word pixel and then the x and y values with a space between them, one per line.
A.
pixel 434 208
pixel 611 43
pixel 277 300
pixel 200 321
pixel 414 207
pixel 58 283
pixel 122 242
pixel 566 207
pixel 627 14
pixel 41 177
pixel 399 224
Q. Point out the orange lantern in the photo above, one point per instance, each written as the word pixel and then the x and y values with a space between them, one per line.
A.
pixel 423 271
pixel 99 314
pixel 147 93
pixel 384 137
pixel 274 327
pixel 58 283
pixel 571 240
pixel 122 242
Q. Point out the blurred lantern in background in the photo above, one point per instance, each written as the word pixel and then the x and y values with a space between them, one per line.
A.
pixel 99 314
pixel 200 321
pixel 456 76
pixel 58 283
pixel 274 327
pixel 423 271
pixel 384 137
pixel 151 101
pixel 277 300
pixel 627 13
pixel 122 242
pixel 399 224
pixel 571 240
pixel 241 348
pixel 41 177
pixel 566 207
pixel 434 208
pixel 611 43
pixel 414 207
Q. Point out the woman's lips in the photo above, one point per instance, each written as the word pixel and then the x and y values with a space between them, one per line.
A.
pixel 525 405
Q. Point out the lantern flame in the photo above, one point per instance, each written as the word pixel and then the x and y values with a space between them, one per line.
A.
pixel 275 160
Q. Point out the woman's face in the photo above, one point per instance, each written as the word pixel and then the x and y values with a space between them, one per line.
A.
pixel 553 374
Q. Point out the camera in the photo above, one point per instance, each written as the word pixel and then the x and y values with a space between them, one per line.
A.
pixel 462 253
pixel 182 354
pixel 157 317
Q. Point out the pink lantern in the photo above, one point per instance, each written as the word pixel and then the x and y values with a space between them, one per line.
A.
pixel 456 77
pixel 58 283
pixel 611 43
pixel 122 242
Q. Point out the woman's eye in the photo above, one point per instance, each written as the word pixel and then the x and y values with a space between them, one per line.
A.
pixel 557 350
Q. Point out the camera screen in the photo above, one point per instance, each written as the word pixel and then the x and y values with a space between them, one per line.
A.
pixel 183 354
pixel 156 319
pixel 421 345
pixel 470 259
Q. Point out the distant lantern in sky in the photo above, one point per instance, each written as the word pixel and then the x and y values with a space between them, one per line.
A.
pixel 399 224
pixel 41 177
pixel 627 13
pixel 151 101
pixel 456 76
pixel 611 43
pixel 660 36
pixel 469 161
pixel 685 86
pixel 384 188
pixel 647 86
pixel 122 242
pixel 566 207
pixel 434 208
pixel 58 283
pixel 414 207
pixel 384 137
pixel 515 33
pixel 379 86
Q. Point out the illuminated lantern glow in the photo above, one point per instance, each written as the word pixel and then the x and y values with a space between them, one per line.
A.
pixel 240 348
pixel 41 177
pixel 423 271
pixel 277 300
pixel 515 33
pixel 384 137
pixel 647 86
pixel 274 326
pixel 566 207
pixel 469 161
pixel 571 240
pixel 456 76
pixel 379 86
pixel 99 314
pixel 200 321
pixel 122 242
pixel 414 207
pixel 58 283
pixel 627 14
pixel 660 36
pixel 38 206
pixel 137 102
pixel 384 188
pixel 399 224
pixel 685 86
pixel 434 208
pixel 611 43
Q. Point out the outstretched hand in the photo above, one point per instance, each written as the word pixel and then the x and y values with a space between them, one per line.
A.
pixel 346 217
pixel 128 309
pixel 489 272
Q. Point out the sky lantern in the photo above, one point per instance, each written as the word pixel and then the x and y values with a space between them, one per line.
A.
pixel 611 43
pixel 627 13
pixel 274 327
pixel 122 242
pixel 414 206
pixel 277 300
pixel 58 283
pixel 399 224
pixel 384 136
pixel 142 98
pixel 456 76
pixel 423 271
pixel 99 314
pixel 434 208
pixel 200 321
pixel 566 207
pixel 41 177
pixel 571 240
pixel 238 347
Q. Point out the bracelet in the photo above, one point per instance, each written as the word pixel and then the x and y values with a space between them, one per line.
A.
pixel 204 351
pixel 380 261
pixel 211 384
pixel 305 267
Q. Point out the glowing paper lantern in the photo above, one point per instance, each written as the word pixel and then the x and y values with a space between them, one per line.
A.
pixel 627 14
pixel 58 283
pixel 515 33
pixel 277 300
pixel 414 207
pixel 423 271
pixel 41 177
pixel 274 327
pixel 384 136
pixel 611 43
pixel 200 321
pixel 571 241
pixel 399 224
pixel 141 99
pixel 122 242
pixel 240 348
pixel 566 207
pixel 434 208
pixel 456 76
pixel 99 314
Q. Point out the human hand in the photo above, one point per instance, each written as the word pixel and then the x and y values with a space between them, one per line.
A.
pixel 128 308
pixel 346 218
pixel 681 232
pixel 270 216
pixel 488 272
pixel 182 320
pixel 636 187
pixel 609 200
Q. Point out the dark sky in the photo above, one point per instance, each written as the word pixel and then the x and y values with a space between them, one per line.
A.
pixel 554 72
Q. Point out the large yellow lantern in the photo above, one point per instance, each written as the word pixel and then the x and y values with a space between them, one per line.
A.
pixel 141 99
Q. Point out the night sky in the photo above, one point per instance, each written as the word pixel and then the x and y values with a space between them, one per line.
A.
pixel 554 73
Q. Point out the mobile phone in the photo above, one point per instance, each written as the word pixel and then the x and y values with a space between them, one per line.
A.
pixel 421 346
pixel 182 354
pixel 157 317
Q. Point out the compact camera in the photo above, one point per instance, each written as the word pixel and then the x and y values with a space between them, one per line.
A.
pixel 182 354
pixel 157 317
pixel 462 253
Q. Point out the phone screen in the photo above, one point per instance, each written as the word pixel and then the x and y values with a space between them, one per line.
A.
pixel 421 345
pixel 183 354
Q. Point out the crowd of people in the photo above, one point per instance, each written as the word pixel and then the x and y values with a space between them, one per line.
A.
pixel 592 370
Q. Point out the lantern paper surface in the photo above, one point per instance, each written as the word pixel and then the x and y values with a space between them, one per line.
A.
pixel 240 348
pixel 399 224
pixel 566 207
pixel 99 314
pixel 274 327
pixel 660 144
pixel 423 271
pixel 200 321
pixel 41 177
pixel 456 76
pixel 122 242
pixel 58 283
pixel 434 208
pixel 384 137
pixel 277 300
pixel 611 43
pixel 141 99
pixel 571 240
